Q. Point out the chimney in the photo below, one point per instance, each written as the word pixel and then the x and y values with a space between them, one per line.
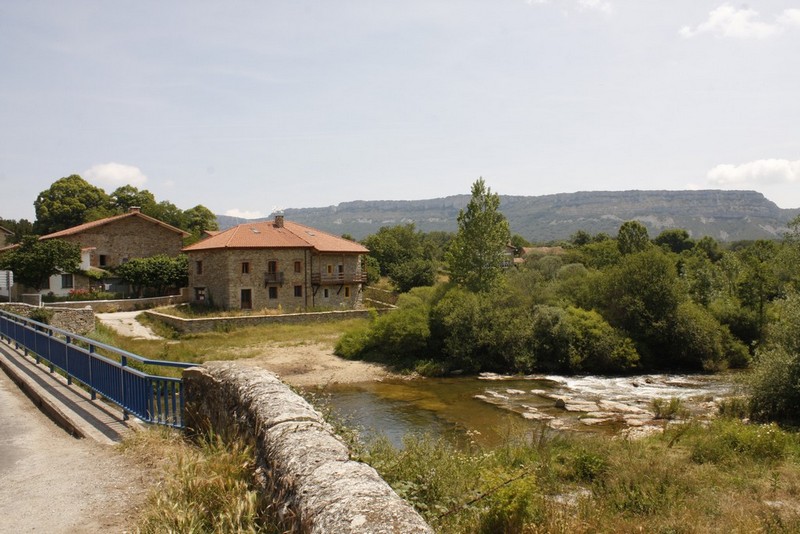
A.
pixel 134 209
pixel 279 221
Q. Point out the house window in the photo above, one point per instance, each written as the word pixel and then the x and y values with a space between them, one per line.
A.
pixel 298 291
pixel 103 260
pixel 245 267
pixel 273 292
pixel 341 269
pixel 298 266
pixel 66 281
pixel 247 299
pixel 325 293
pixel 346 292
pixel 198 267
pixel 330 269
pixel 200 294
pixel 272 266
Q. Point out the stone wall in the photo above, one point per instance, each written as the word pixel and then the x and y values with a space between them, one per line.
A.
pixel 78 321
pixel 122 305
pixel 303 466
pixel 211 324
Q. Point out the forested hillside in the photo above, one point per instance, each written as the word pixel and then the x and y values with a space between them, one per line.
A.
pixel 723 215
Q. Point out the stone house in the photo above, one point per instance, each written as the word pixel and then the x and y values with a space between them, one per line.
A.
pixel 110 242
pixel 276 264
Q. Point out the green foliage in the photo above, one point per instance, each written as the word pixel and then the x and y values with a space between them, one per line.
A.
pixel 476 255
pixel 41 315
pixel 775 380
pixel 601 254
pixel 373 269
pixel 413 273
pixel 20 228
pixel 69 202
pixel 674 240
pixel 34 261
pixel 127 196
pixel 157 272
pixel 669 409
pixel 573 340
pixel 199 219
pixel 641 296
pixel 632 237
pixel 730 441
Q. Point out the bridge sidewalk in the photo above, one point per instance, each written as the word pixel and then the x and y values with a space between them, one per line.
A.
pixel 69 406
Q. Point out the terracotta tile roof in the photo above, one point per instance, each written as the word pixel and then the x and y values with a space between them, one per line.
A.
pixel 100 222
pixel 267 234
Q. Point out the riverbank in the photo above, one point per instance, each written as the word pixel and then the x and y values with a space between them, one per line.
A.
pixel 315 365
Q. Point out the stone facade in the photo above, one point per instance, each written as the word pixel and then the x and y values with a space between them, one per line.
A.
pixel 303 467
pixel 125 238
pixel 5 236
pixel 300 279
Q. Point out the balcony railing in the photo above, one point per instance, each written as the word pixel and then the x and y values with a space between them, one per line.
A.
pixel 320 279
pixel 273 278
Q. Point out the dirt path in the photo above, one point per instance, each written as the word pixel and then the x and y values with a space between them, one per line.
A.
pixel 51 482
pixel 125 323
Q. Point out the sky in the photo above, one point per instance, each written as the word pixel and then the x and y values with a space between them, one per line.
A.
pixel 247 107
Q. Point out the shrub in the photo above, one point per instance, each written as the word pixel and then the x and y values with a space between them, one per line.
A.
pixel 671 409
pixel 731 440
pixel 41 315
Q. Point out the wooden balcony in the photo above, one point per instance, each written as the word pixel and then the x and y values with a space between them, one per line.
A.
pixel 273 278
pixel 320 279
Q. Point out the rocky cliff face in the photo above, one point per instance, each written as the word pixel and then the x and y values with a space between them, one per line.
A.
pixel 724 215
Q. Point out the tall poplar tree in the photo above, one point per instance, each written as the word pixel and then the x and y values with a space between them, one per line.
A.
pixel 476 254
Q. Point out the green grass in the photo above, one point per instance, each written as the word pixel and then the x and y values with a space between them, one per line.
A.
pixel 544 483
pixel 232 345
pixel 207 486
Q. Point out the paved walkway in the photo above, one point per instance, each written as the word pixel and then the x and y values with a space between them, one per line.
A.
pixel 52 482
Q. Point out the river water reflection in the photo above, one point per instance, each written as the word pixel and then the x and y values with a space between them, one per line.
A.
pixel 492 406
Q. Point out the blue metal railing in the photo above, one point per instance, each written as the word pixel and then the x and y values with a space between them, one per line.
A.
pixel 151 398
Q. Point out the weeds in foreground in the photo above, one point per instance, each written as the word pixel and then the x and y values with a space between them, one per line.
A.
pixel 664 483
pixel 207 487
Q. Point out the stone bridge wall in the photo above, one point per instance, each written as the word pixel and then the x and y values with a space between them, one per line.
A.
pixel 304 466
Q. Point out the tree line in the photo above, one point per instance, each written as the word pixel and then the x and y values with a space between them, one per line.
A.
pixel 604 304
pixel 72 201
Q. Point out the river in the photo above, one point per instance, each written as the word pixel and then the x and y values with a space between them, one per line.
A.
pixel 490 407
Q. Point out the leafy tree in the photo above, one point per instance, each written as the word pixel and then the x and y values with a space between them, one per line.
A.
pixel 199 219
pixel 393 245
pixel 127 196
pixel 675 239
pixel 20 228
pixel 710 247
pixel 413 273
pixel 475 256
pixel 641 296
pixel 69 202
pixel 758 283
pixel 169 213
pixel 34 261
pixel 519 242
pixel 373 269
pixel 632 237
pixel 157 272
pixel 580 238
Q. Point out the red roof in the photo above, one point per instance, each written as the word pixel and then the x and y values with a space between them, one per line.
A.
pixel 267 234
pixel 100 222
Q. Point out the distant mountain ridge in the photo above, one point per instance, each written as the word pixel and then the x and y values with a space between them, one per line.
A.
pixel 724 215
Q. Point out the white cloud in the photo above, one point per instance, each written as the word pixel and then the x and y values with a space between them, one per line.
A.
pixel 244 214
pixel 728 21
pixel 759 172
pixel 115 175
pixel 582 5
pixel 790 17
pixel 599 5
